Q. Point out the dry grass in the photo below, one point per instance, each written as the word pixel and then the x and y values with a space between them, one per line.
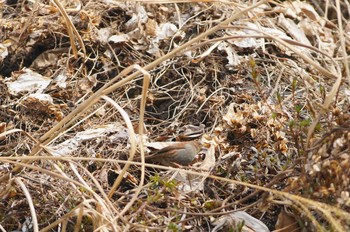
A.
pixel 274 114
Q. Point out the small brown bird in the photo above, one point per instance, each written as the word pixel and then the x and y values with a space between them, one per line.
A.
pixel 178 154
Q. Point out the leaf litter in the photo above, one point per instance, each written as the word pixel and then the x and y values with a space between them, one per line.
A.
pixel 247 91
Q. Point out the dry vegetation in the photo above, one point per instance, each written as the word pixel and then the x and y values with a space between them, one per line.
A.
pixel 87 86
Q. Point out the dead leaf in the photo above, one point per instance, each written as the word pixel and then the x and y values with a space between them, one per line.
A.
pixel 236 219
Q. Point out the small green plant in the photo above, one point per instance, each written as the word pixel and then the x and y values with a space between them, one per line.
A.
pixel 173 227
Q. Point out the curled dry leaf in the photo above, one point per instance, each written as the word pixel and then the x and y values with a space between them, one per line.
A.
pixel 236 219
pixel 287 222
pixel 27 81
pixel 43 106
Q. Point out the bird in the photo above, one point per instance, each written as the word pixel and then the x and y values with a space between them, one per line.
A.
pixel 182 153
